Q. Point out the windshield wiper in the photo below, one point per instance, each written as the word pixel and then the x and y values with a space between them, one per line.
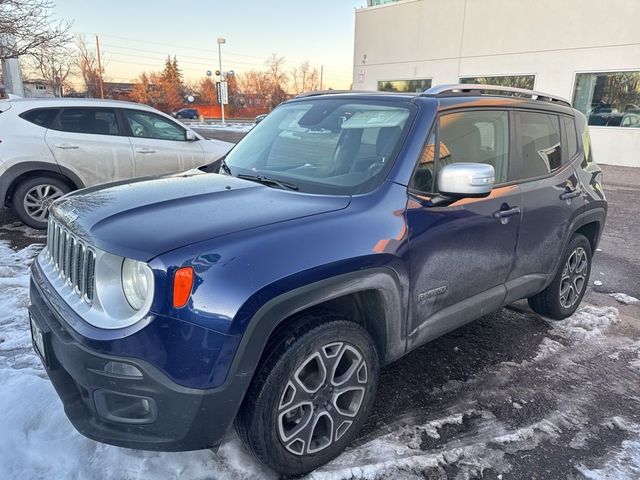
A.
pixel 270 182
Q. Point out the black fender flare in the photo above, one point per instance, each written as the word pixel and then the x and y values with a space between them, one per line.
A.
pixel 597 214
pixel 16 171
pixel 267 318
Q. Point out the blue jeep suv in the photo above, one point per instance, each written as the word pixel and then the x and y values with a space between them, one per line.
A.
pixel 342 232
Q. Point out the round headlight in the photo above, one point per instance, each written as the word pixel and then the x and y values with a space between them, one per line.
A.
pixel 136 280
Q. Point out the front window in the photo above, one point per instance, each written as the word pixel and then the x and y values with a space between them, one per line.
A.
pixel 331 146
pixel 473 136
pixel 150 125
pixel 609 99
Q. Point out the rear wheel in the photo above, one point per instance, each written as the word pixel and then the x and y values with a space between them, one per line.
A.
pixel 311 395
pixel 563 296
pixel 33 196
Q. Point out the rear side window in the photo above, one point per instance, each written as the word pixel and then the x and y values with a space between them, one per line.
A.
pixel 586 139
pixel 572 137
pixel 540 142
pixel 100 121
pixel 42 117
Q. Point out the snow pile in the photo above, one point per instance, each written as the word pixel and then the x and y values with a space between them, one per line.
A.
pixel 32 416
pixel 232 127
pixel 589 321
pixel 624 298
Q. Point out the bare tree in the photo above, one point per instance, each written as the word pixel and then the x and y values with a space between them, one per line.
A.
pixel 278 79
pixel 304 78
pixel 29 25
pixel 53 66
pixel 86 62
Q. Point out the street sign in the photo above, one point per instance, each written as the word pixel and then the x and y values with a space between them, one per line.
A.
pixel 223 93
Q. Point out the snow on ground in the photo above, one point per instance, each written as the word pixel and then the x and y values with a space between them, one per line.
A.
pixel 230 126
pixel 504 413
pixel 624 298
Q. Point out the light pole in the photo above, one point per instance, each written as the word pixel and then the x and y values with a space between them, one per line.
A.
pixel 221 40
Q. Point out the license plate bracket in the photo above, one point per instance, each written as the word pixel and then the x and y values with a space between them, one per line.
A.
pixel 40 342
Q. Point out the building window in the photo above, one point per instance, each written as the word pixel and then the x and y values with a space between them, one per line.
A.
pixel 518 81
pixel 609 99
pixel 417 85
pixel 374 3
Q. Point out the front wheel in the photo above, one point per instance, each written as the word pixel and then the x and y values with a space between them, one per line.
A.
pixel 311 395
pixel 560 299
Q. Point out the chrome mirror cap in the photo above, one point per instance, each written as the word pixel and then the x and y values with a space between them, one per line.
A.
pixel 466 179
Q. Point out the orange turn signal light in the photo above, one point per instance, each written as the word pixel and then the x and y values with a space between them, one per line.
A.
pixel 182 286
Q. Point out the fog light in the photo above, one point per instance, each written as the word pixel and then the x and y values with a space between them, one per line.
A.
pixel 124 407
pixel 123 370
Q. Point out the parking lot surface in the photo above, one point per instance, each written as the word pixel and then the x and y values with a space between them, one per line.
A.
pixel 511 396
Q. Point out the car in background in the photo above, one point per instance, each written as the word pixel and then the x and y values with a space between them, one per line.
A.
pixel 260 118
pixel 49 147
pixel 187 113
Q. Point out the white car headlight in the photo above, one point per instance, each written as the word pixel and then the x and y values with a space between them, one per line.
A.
pixel 136 281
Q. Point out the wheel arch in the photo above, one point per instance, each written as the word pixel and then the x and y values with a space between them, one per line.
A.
pixel 372 298
pixel 20 172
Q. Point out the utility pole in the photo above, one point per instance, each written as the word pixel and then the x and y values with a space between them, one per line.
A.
pixel 100 68
pixel 321 74
pixel 220 42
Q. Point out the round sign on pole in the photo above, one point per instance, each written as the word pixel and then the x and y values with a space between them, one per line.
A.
pixel 209 73
pixel 190 99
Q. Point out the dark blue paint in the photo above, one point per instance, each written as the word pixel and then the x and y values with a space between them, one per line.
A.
pixel 249 244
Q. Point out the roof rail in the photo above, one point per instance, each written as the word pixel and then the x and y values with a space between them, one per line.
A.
pixel 477 89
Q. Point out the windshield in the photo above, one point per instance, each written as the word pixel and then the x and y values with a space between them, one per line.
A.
pixel 330 146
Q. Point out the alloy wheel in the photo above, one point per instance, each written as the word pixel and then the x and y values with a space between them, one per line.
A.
pixel 37 200
pixel 574 278
pixel 322 398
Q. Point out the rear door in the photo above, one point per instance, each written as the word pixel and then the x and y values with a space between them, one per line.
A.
pixel 89 142
pixel 551 197
pixel 160 145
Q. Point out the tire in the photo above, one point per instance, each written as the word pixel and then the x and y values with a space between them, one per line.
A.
pixel 575 265
pixel 268 421
pixel 32 196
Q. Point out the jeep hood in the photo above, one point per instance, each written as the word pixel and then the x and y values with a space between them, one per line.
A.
pixel 145 218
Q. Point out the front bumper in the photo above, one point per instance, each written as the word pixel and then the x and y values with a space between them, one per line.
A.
pixel 147 411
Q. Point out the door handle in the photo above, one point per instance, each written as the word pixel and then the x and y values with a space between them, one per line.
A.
pixel 66 146
pixel 506 213
pixel 145 150
pixel 570 193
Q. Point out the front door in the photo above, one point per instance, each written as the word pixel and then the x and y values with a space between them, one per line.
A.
pixel 461 254
pixel 89 142
pixel 160 145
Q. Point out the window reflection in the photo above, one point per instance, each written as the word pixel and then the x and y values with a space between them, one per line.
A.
pixel 609 99
pixel 417 85
pixel 517 81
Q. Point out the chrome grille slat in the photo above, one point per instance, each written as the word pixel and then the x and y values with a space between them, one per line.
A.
pixel 73 259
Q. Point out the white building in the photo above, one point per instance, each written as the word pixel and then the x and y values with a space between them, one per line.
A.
pixel 585 50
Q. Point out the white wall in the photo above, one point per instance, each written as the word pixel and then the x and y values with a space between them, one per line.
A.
pixel 551 39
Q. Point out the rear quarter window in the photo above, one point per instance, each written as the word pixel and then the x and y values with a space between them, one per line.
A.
pixel 42 117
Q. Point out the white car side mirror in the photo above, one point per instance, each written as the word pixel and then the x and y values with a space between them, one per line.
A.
pixel 191 136
pixel 462 180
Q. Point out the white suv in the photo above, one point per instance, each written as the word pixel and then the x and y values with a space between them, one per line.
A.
pixel 49 147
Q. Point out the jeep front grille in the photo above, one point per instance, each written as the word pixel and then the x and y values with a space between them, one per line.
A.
pixel 72 258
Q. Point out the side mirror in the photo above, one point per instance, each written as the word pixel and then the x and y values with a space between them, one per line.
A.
pixel 191 136
pixel 461 180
